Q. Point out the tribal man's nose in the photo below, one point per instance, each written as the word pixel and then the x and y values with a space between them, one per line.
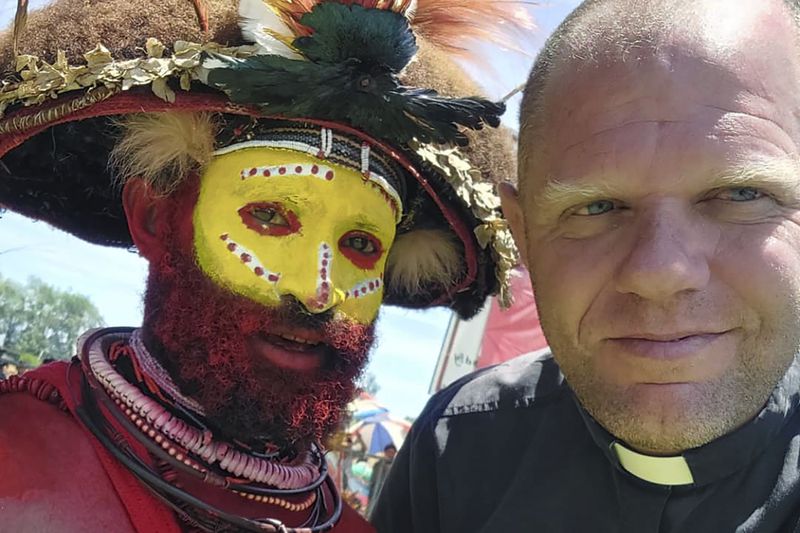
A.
pixel 326 298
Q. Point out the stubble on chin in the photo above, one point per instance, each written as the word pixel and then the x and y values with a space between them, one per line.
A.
pixel 672 420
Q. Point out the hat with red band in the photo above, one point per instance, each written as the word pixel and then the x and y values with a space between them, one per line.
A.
pixel 93 92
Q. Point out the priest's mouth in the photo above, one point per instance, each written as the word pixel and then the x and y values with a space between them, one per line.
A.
pixel 299 352
pixel 668 346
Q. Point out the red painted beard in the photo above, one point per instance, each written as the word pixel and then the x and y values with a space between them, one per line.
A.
pixel 200 331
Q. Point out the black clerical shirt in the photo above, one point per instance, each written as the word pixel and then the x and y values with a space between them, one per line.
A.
pixel 509 449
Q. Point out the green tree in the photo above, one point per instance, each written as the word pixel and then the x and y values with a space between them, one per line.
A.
pixel 369 383
pixel 40 320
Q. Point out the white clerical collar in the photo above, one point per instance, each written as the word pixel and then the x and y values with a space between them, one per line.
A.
pixel 659 470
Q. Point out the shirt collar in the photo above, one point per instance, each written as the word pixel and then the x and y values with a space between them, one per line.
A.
pixel 659 470
pixel 718 458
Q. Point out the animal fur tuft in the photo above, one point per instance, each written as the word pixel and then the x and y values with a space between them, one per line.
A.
pixel 163 148
pixel 422 259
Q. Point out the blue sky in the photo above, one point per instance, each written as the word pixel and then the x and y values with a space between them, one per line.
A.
pixel 409 341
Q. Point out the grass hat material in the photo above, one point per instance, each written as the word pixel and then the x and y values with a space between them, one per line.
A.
pixel 93 92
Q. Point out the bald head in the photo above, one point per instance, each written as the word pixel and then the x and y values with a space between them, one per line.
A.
pixel 607 31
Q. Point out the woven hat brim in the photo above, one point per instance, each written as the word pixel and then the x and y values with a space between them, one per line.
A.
pixel 18 127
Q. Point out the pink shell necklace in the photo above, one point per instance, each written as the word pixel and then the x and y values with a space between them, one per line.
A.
pixel 168 430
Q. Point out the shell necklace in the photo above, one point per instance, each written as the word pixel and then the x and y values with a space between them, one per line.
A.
pixel 191 445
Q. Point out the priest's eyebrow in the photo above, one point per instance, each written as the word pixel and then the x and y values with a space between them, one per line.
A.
pixel 780 177
pixel 557 195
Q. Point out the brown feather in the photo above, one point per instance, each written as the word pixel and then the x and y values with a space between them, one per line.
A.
pixel 451 24
pixel 20 19
pixel 201 8
pixel 292 10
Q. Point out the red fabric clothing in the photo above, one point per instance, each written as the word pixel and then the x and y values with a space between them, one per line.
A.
pixel 59 383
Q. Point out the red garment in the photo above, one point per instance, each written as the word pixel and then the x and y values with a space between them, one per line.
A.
pixel 59 384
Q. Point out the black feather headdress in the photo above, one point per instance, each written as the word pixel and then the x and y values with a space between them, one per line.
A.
pixel 340 61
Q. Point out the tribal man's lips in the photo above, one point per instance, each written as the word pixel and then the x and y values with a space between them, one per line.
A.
pixel 290 351
pixel 667 346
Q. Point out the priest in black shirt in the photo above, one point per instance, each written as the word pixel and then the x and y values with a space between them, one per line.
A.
pixel 658 212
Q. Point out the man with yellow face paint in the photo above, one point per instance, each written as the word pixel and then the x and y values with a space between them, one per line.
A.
pixel 282 183
pixel 291 225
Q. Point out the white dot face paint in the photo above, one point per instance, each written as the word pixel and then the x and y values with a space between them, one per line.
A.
pixel 249 258
pixel 324 267
pixel 365 288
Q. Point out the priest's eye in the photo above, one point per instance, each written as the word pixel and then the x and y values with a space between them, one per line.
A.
pixel 599 207
pixel 269 218
pixel 361 248
pixel 740 194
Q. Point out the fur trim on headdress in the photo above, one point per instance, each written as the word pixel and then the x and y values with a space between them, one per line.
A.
pixel 422 259
pixel 163 148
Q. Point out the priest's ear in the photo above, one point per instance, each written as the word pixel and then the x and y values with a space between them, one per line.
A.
pixel 512 210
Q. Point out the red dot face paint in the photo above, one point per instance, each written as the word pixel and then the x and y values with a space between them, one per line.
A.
pixel 269 218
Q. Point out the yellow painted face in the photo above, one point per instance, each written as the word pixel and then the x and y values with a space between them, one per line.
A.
pixel 271 223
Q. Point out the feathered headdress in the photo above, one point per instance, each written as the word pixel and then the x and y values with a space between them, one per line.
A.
pixel 305 68
pixel 158 89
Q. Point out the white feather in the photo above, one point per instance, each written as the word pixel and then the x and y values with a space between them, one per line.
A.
pixel 411 11
pixel 260 25
pixel 201 71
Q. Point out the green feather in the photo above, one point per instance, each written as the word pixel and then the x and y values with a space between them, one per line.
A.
pixel 350 77
pixel 341 32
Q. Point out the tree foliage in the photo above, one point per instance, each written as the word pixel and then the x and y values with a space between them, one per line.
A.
pixel 43 321
pixel 369 383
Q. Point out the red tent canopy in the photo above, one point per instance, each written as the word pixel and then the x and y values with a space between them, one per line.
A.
pixel 493 336
pixel 514 331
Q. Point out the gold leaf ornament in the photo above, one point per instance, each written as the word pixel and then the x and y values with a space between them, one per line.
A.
pixel 38 80
pixel 154 48
pixel 493 232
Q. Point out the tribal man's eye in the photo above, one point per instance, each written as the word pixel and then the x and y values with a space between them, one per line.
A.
pixel 362 249
pixel 267 215
pixel 363 245
pixel 269 218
